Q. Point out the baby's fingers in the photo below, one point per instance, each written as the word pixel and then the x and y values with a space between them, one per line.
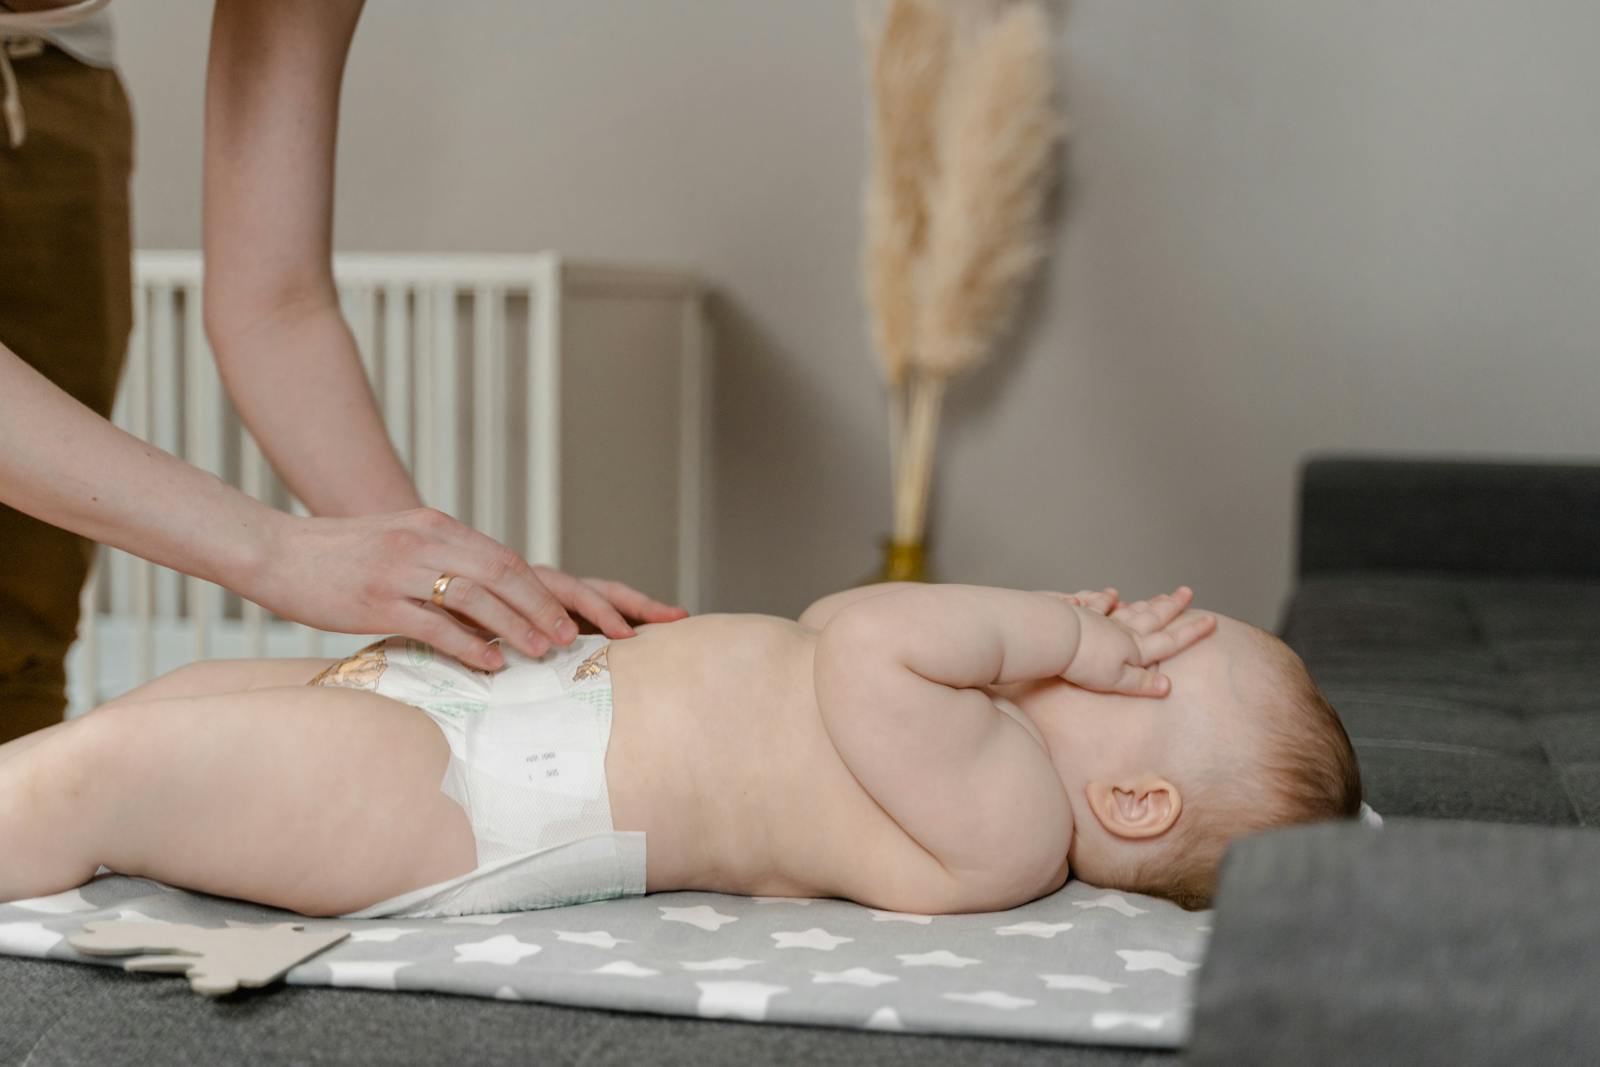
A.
pixel 1142 682
pixel 1179 635
pixel 1148 616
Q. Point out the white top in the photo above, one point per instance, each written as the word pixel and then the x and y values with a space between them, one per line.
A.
pixel 80 29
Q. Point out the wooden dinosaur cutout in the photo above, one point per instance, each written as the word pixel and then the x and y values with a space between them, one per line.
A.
pixel 216 961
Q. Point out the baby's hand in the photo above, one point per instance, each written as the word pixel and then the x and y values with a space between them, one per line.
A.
pixel 1118 652
pixel 1103 601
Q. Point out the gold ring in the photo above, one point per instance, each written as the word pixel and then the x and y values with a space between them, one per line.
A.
pixel 440 587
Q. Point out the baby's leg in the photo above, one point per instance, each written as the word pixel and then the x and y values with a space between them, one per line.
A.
pixel 207 678
pixel 318 800
pixel 217 677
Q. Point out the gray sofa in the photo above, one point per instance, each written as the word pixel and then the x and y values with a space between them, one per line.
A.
pixel 1452 613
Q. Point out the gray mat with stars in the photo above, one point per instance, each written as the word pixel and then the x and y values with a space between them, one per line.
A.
pixel 1084 965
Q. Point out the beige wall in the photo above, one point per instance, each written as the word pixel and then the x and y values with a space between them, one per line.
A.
pixel 1288 227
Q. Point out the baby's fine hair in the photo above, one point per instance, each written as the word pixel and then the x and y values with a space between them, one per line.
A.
pixel 1306 767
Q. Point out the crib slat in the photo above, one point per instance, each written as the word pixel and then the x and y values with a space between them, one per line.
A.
pixel 488 411
pixel 443 401
pixel 397 369
pixel 542 418
pixel 424 447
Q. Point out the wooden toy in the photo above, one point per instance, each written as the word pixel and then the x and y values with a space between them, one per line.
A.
pixel 216 961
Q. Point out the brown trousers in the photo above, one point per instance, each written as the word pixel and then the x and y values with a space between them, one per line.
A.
pixel 66 307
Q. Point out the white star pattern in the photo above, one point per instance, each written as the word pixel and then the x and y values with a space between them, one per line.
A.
pixel 860 976
pixel 1086 983
pixel 594 938
pixel 816 938
pixel 701 915
pixel 899 917
pixel 363 974
pixel 726 963
pixel 27 939
pixel 885 1019
pixel 1110 1020
pixel 477 920
pixel 625 968
pixel 736 1000
pixel 505 949
pixel 382 934
pixel 1151 960
pixel 1033 929
pixel 937 958
pixel 59 904
pixel 992 998
pixel 1114 901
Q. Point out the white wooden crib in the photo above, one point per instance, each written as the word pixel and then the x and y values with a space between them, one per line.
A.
pixel 560 407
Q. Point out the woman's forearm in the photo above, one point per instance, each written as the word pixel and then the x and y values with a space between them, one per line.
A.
pixel 62 463
pixel 298 384
pixel 284 352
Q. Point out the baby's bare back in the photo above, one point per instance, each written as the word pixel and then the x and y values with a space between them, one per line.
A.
pixel 718 753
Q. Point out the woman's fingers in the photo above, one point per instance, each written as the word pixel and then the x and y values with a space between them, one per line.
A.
pixel 634 604
pixel 474 603
pixel 586 601
pixel 435 627
pixel 465 552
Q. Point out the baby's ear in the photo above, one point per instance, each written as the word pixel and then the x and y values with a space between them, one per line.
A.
pixel 1135 809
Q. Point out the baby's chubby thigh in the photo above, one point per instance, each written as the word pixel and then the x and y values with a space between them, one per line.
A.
pixel 319 800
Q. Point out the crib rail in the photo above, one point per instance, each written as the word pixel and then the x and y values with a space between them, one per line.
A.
pixel 460 351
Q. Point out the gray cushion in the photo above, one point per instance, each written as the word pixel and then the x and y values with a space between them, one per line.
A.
pixel 1361 514
pixel 1423 943
pixel 1466 698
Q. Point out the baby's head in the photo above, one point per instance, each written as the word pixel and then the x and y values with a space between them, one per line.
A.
pixel 1159 788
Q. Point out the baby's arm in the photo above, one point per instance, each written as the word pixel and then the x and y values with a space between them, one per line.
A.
pixel 824 609
pixel 899 679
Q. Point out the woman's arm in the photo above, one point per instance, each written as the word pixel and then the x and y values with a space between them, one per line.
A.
pixel 62 463
pixel 284 352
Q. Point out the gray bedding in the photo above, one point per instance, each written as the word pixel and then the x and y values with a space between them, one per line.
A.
pixel 1083 965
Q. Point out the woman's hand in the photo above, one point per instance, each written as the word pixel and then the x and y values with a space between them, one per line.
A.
pixel 376 574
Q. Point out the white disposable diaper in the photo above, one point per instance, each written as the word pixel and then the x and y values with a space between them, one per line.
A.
pixel 527 765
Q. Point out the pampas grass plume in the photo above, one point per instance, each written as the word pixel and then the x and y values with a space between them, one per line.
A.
pixel 909 54
pixel 999 129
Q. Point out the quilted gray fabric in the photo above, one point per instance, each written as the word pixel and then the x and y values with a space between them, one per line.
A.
pixel 1466 698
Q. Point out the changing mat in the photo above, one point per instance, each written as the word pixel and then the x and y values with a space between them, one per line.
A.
pixel 1084 965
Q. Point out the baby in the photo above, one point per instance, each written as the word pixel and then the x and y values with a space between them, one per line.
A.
pixel 919 749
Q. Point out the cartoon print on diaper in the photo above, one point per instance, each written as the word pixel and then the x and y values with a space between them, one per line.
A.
pixel 360 671
pixel 595 665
